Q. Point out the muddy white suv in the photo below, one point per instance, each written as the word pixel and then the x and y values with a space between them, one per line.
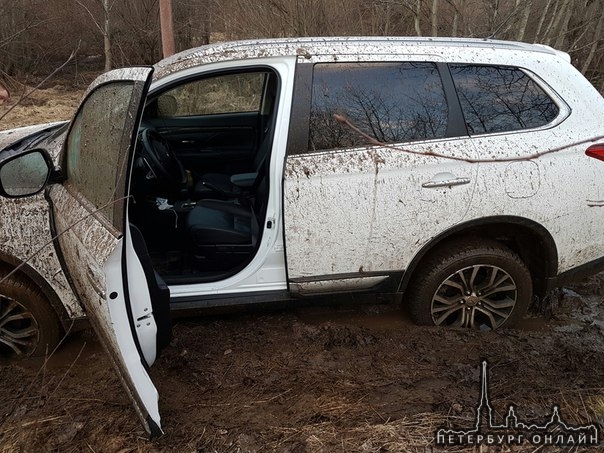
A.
pixel 464 174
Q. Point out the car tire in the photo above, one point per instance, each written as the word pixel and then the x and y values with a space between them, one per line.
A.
pixel 478 284
pixel 28 324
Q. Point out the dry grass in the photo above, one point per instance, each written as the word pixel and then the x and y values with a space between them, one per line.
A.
pixel 43 106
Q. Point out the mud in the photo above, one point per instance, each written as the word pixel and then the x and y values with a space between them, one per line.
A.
pixel 314 379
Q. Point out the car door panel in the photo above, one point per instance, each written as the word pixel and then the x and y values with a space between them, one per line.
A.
pixel 355 203
pixel 208 150
pixel 92 255
pixel 89 216
pixel 205 143
pixel 364 182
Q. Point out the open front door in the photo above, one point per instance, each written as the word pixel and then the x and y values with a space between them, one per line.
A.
pixel 104 257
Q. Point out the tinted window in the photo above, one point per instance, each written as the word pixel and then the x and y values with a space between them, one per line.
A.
pixel 499 99
pixel 226 93
pixel 390 102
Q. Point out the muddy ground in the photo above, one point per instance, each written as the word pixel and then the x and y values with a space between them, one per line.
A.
pixel 326 378
pixel 313 379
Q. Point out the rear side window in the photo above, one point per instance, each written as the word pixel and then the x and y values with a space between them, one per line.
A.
pixel 501 99
pixel 390 102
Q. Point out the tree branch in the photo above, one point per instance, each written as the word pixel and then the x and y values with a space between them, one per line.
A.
pixel 92 17
pixel 343 120
pixel 25 96
pixel 8 39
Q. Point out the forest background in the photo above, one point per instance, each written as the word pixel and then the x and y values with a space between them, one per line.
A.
pixel 37 36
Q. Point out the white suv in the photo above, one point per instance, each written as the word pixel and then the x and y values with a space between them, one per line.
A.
pixel 461 173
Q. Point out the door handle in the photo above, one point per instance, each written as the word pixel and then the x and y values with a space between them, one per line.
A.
pixel 447 181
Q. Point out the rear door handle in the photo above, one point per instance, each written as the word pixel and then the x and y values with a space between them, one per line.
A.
pixel 450 180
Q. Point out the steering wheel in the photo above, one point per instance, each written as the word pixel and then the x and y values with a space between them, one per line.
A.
pixel 162 160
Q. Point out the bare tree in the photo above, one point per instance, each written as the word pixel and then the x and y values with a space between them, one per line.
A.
pixel 36 34
pixel 526 9
pixel 594 45
pixel 556 17
pixel 544 12
pixel 193 21
pixel 565 13
pixel 18 46
pixel 434 17
pixel 104 26
pixel 415 8
pixel 455 20
pixel 139 39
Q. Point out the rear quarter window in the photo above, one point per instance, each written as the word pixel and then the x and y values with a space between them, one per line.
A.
pixel 390 102
pixel 501 99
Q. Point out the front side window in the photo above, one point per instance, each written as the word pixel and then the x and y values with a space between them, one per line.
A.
pixel 95 157
pixel 225 93
pixel 501 99
pixel 389 102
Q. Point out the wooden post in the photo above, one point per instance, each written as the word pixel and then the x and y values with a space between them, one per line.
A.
pixel 167 31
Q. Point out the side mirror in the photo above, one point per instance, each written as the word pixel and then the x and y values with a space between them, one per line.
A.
pixel 24 174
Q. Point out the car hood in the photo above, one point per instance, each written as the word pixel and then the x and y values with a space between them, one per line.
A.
pixel 12 136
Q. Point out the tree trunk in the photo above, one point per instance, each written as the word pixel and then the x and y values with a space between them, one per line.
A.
pixel 107 37
pixel 594 45
pixel 455 23
pixel 589 17
pixel 104 27
pixel 556 19
pixel 524 20
pixel 542 20
pixel 495 12
pixel 418 10
pixel 387 20
pixel 563 30
pixel 434 17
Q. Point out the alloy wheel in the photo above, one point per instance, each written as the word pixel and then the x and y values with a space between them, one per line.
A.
pixel 482 296
pixel 19 329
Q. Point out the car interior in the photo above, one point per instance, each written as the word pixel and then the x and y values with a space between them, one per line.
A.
pixel 200 181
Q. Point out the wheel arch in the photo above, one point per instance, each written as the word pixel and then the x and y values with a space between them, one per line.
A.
pixel 530 240
pixel 9 263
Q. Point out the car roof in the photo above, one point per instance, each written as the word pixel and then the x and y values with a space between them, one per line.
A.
pixel 308 47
